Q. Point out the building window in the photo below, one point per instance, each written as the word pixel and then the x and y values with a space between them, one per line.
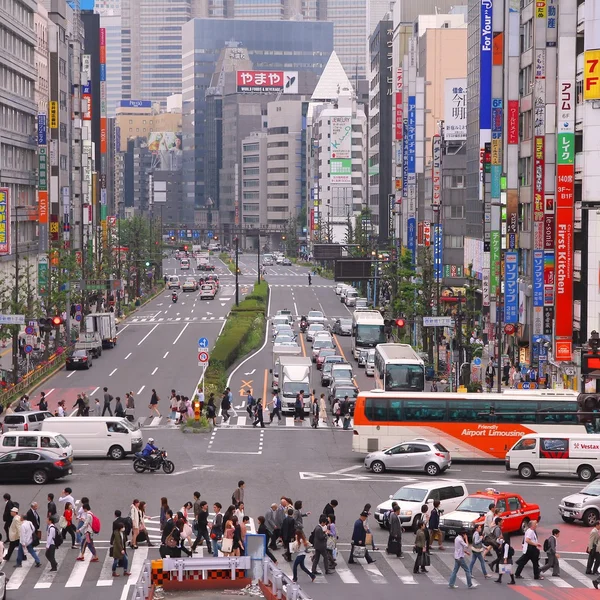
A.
pixel 525 170
pixel 453 241
pixel 277 145
pixel 278 170
pixel 251 171
pixel 454 181
pixel 251 207
pixel 454 212
pixel 277 130
pixel 247 147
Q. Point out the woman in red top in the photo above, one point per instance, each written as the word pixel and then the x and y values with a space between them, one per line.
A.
pixel 68 524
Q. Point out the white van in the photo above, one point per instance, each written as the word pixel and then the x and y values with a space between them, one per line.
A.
pixel 47 440
pixel 98 436
pixel 174 282
pixel 560 453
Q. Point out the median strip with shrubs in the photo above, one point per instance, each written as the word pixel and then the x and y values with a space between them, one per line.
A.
pixel 243 333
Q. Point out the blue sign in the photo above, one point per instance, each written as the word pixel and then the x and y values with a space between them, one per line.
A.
pixel 210 235
pixel 196 233
pixel 86 88
pixel 102 71
pixel 438 258
pixel 496 171
pixel 405 159
pixel 511 287
pixel 412 133
pixel 78 317
pixel 485 67
pixel 78 308
pixel 28 349
pixel 411 228
pixel 477 361
pixel 171 233
pixel 538 278
pixel 182 233
pixel 135 103
pixel 41 131
pixel 203 342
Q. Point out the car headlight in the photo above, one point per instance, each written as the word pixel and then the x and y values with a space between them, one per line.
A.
pixel 579 505
pixel 406 513
pixel 468 524
pixel 442 522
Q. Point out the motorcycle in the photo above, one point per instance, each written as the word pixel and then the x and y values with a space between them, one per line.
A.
pixel 153 462
pixel 303 325
pixel 174 298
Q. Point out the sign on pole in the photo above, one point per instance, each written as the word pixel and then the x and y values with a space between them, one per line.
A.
pixel 203 357
pixel 12 319
pixel 203 342
pixel 437 322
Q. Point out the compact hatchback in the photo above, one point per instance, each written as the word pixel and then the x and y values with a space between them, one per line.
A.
pixel 419 455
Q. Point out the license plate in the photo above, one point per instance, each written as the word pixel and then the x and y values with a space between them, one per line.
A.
pixel 451 532
pixel 70 471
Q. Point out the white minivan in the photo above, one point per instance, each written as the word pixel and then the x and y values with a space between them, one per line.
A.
pixel 47 440
pixel 560 453
pixel 114 437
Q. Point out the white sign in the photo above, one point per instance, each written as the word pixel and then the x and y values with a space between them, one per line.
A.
pixel 455 109
pixel 12 319
pixel 341 137
pixel 437 322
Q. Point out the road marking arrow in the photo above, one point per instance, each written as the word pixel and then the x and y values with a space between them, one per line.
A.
pixel 251 372
pixel 208 313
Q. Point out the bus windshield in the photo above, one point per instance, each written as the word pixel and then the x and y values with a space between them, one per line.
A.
pixel 404 378
pixel 369 335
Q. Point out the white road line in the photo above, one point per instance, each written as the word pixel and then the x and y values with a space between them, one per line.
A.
pixel 289 421
pixel 155 369
pixel 49 392
pixel 113 372
pixel 120 331
pixel 78 573
pixel 47 577
pixel 575 574
pixel 146 336
pixel 141 390
pixel 128 356
pixel 436 576
pixel 374 574
pixel 348 469
pixel 71 374
pixel 344 573
pixel 181 333
pixel 136 564
pixel 166 354
pixel 295 309
pixel 155 422
pixel 398 567
pixel 18 575
pixel 106 578
pixel 92 392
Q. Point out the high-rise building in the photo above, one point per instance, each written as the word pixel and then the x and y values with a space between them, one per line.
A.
pixel 110 21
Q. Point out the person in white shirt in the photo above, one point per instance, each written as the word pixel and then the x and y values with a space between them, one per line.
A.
pixel 51 533
pixel 461 548
pixel 531 552
pixel 67 496
pixel 134 515
pixel 27 534
pixel 87 534
pixel 61 409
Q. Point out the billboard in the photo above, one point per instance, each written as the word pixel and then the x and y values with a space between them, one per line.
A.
pixel 341 137
pixel 41 129
pixel 511 287
pixel 53 114
pixel 340 171
pixel 4 221
pixel 512 127
pixel 538 278
pixel 455 109
pixel 538 186
pixel 438 258
pixel 167 149
pixel 265 82
pixel 591 75
pixel 135 104
pixel 436 175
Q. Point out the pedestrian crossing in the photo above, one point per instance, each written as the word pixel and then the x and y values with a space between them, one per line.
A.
pixel 289 285
pixel 386 570
pixel 165 320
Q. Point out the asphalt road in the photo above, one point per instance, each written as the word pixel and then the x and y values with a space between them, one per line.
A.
pixel 293 460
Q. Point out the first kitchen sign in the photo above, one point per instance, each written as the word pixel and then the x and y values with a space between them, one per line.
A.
pixel 266 82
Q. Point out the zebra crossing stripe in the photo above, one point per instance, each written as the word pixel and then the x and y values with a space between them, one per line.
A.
pixel 399 569
pixel 106 579
pixel 78 573
pixel 18 575
pixel 47 577
pixel 136 565
pixel 344 573
pixel 575 574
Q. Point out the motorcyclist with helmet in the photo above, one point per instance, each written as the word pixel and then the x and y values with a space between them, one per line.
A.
pixel 149 450
pixel 303 323
pixel 174 296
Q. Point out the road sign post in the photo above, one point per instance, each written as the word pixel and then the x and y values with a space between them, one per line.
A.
pixel 203 343
pixel 202 358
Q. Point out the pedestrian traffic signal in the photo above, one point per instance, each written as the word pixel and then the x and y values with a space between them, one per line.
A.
pixel 400 323
pixel 147 263
pixel 185 248
pixel 57 321
pixel 45 324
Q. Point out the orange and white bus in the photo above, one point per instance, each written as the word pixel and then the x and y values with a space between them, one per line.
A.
pixel 470 426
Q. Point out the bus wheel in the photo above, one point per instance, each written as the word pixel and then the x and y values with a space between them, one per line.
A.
pixel 586 473
pixel 526 471
pixel 377 467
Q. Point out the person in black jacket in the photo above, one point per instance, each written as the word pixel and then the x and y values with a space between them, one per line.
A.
pixel 434 525
pixel 170 530
pixel 7 517
pixel 34 517
pixel 330 508
pixel 202 527
pixel 262 529
pixel 288 530
pixel 358 537
pixel 320 544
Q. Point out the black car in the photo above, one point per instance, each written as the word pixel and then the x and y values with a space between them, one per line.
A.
pixel 80 359
pixel 36 465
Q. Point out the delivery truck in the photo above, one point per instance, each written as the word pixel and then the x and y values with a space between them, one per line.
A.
pixel 294 376
pixel 105 325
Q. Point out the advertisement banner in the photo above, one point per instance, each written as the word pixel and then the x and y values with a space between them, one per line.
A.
pixel 591 75
pixel 540 9
pixel 494 264
pixel 548 319
pixel 43 169
pixel 103 141
pixel 564 273
pixel 512 215
pixel 265 82
pixel 135 103
pixel 4 221
pixel 438 258
pixel 498 49
pixel 548 232
pixel 455 109
pixel 399 117
pixel 549 268
pixel 485 73
pixel 565 148
pixel 427 233
pixel 538 187
pixel 166 146
pixel 538 278
pixel 341 137
pixel 565 181
pixel 436 174
pixel 53 114
pixel 411 234
pixel 565 110
pixel 512 126
pixel 41 129
pixel 412 133
pixel 43 208
pixel 340 171
pixel 511 287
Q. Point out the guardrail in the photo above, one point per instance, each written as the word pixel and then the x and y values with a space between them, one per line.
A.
pixel 276 579
pixel 143 586
pixel 221 563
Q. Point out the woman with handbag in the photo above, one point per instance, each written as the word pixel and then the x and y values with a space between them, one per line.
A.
pixel 185 530
pixel 332 541
pixel 238 537
pixel 118 551
pixel 143 534
pixel 299 547
pixel 420 546
pixel 227 542
pixel 478 548
pixel 66 524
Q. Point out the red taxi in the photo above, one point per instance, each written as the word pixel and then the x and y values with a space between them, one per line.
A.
pixel 514 510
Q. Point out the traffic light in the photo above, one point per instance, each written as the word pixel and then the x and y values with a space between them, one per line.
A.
pixel 147 263
pixel 45 324
pixel 185 248
pixel 400 323
pixel 57 321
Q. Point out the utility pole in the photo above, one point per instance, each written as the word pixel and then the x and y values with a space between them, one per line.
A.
pixel 17 328
pixel 237 271
pixel 258 264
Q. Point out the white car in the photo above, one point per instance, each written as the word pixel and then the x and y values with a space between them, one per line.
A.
pixel 345 291
pixel 313 330
pixel 450 493
pixel 319 344
pixel 339 287
pixel 279 320
pixel 283 328
pixel 315 316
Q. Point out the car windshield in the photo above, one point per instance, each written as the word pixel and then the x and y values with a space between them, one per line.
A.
pixel 62 441
pixel 326 352
pixel 79 353
pixel 292 388
pixel 340 392
pixel 322 344
pixel 315 314
pixel 283 338
pixel 346 323
pixel 328 364
pixel 474 505
pixel 370 334
pixel 342 373
pixel 410 494
pixel 593 489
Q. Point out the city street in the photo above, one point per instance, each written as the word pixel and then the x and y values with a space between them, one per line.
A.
pixel 157 349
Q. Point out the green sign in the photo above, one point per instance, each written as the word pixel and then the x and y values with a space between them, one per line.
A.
pixel 42 170
pixel 95 286
pixel 495 264
pixel 43 276
pixel 565 148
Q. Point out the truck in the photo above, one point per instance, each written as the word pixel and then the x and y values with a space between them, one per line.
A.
pixel 105 325
pixel 90 341
pixel 203 262
pixel 279 351
pixel 294 377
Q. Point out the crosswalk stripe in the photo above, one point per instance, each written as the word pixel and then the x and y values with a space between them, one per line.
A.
pixel 18 576
pixel 289 421
pixel 343 571
pixel 47 577
pixel 136 565
pixel 106 578
pixel 449 562
pixel 155 421
pixel 575 574
pixel 436 577
pixel 399 569
pixel 78 573
pixel 372 571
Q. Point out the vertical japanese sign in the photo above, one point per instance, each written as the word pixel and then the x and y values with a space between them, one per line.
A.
pixel 5 221
pixel 438 258
pixel 591 75
pixel 103 136
pixel 512 218
pixel 455 109
pixel 485 85
pixel 512 127
pixel 436 171
pixel 538 186
pixel 42 187
pixel 538 278
pixel 495 264
pixel 53 114
pixel 511 287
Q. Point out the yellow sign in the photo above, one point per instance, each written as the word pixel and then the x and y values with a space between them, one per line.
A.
pixel 540 9
pixel 53 118
pixel 591 75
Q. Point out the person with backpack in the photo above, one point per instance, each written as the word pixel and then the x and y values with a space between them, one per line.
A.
pixel 90 526
pixel 250 403
pixel 299 547
pixel 54 540
pixel 550 546
pixel 258 413
pixel 119 410
pixel 506 553
pixel 493 543
pixel 276 404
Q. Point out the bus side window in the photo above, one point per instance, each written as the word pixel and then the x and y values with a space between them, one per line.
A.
pixel 395 410
pixel 376 409
pixel 463 412
pixel 424 410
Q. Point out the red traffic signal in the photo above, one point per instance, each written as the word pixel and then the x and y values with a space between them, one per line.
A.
pixel 400 322
pixel 57 321
pixel 185 248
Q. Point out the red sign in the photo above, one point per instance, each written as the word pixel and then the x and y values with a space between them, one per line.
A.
pixel 563 327
pixel 86 101
pixel 43 207
pixel 399 115
pixel 203 356
pixel 103 143
pixel 78 256
pixel 513 122
pixel 548 232
pixel 538 182
pixel 427 233
pixel 267 81
pixel 565 182
pixel 509 329
pixel 563 350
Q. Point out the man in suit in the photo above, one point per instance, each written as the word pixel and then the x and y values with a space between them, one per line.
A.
pixel 7 517
pixel 167 530
pixel 288 530
pixel 553 555
pixel 320 544
pixel 33 517
pixel 395 540
pixel 359 536
pixel 592 548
